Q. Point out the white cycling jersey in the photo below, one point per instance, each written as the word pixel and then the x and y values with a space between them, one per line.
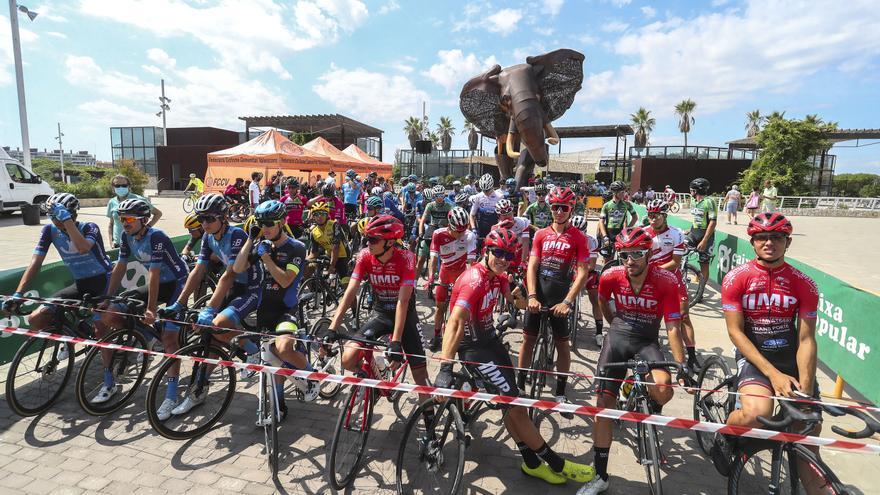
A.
pixel 485 204
pixel 666 244
pixel 520 227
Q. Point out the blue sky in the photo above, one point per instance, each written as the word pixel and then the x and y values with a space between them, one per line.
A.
pixel 93 64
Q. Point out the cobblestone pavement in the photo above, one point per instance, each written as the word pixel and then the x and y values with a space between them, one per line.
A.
pixel 67 451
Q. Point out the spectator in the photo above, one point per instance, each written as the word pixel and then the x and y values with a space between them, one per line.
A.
pixel 235 192
pixel 122 191
pixel 649 194
pixel 731 203
pixel 752 203
pixel 254 189
pixel 769 195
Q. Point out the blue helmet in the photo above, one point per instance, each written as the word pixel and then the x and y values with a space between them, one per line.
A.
pixel 511 182
pixel 410 187
pixel 434 181
pixel 374 202
pixel 350 173
pixel 270 211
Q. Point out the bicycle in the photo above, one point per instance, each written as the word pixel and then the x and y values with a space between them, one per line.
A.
pixel 364 303
pixel 189 201
pixel 239 212
pixel 692 276
pixel 543 359
pixel 638 400
pixel 326 290
pixel 356 415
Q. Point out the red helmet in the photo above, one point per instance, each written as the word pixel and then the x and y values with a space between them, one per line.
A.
pixel 384 227
pixel 769 222
pixel 635 237
pixel 657 206
pixel 502 238
pixel 561 195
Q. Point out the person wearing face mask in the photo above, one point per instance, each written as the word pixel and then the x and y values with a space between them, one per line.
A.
pixel 121 192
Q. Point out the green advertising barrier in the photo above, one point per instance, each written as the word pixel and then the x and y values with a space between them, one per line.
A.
pixel 52 278
pixel 845 329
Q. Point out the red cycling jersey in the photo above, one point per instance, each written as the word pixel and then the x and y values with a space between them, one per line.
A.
pixel 386 279
pixel 558 256
pixel 476 290
pixel 642 311
pixel 771 301
pixel 453 253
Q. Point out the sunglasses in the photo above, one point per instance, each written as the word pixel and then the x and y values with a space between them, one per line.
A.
pixel 128 219
pixel 208 218
pixel 768 236
pixel 374 240
pixel 197 230
pixel 319 214
pixel 560 208
pixel 267 223
pixel 505 255
pixel 632 255
pixel 656 215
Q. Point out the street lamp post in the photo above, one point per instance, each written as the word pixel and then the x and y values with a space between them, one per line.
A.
pixel 163 104
pixel 61 149
pixel 19 76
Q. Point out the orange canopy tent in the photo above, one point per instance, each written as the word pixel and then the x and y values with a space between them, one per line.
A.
pixel 359 154
pixel 266 153
pixel 360 162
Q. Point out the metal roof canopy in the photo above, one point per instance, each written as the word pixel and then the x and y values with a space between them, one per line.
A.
pixel 338 129
pixel 595 131
pixel 836 136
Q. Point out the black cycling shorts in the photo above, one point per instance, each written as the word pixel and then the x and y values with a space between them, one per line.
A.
pixel 621 347
pixel 749 374
pixel 270 313
pixel 694 237
pixel 351 210
pixel 168 291
pixel 93 286
pixel 382 323
pixel 558 325
pixel 496 370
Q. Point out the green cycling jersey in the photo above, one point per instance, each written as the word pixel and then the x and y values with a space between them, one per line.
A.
pixel 437 214
pixel 614 214
pixel 539 214
pixel 704 211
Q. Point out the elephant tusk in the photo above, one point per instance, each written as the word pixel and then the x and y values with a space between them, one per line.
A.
pixel 553 137
pixel 509 143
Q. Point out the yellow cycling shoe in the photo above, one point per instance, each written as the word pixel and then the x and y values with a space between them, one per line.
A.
pixel 580 473
pixel 544 472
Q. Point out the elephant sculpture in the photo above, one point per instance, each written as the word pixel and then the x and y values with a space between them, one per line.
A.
pixel 516 106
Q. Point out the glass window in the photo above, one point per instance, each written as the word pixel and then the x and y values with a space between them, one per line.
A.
pixel 138 136
pixel 14 172
pixel 149 154
pixel 139 155
pixel 149 136
pixel 127 153
pixel 150 167
pixel 126 136
pixel 117 154
pixel 160 136
pixel 115 137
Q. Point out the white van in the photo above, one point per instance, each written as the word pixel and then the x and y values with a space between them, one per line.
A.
pixel 19 185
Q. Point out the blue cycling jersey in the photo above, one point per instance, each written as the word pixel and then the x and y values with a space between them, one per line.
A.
pixel 90 264
pixel 350 194
pixel 392 208
pixel 154 250
pixel 288 256
pixel 227 249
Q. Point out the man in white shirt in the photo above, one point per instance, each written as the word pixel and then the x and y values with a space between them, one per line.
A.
pixel 254 189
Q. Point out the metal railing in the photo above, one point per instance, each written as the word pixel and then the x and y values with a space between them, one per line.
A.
pixel 828 203
pixel 700 152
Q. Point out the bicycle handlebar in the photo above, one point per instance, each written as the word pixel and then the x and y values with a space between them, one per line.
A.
pixel 632 363
pixel 790 414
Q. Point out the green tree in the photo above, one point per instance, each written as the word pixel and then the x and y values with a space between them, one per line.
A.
pixel 753 123
pixel 445 130
pixel 785 145
pixel 413 128
pixel 473 137
pixel 685 109
pixel 855 185
pixel 644 125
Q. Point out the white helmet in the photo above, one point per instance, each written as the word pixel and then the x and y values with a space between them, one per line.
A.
pixel 428 194
pixel 580 222
pixel 377 191
pixel 503 207
pixel 486 182
pixel 458 218
pixel 439 190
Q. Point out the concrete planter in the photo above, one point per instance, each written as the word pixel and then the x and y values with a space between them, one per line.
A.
pixel 92 202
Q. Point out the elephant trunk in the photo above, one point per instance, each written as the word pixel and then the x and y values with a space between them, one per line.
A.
pixel 530 125
pixel 552 136
pixel 512 140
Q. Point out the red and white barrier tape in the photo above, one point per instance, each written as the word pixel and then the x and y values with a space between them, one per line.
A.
pixel 654 419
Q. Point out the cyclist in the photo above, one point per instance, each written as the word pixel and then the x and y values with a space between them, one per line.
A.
pixel 390 270
pixel 463 200
pixel 770 308
pixel 327 237
pixel 295 203
pixel 456 247
pixel 614 216
pixel 194 227
pixel 166 274
pixel 336 210
pixel 392 207
pixel 702 233
pixel 234 193
pixel 666 253
pixel 512 194
pixel 351 191
pixel 238 294
pixel 592 285
pixel 643 295
pixel 521 228
pixel 470 334
pixel 81 248
pixel 538 212
pixel 558 252
pixel 580 206
pixel 282 259
pixel 434 217
pixel 483 215
pixel 196 184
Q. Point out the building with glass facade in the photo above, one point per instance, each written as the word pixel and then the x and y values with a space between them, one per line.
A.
pixel 137 144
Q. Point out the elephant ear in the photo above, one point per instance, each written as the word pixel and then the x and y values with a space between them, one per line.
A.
pixel 559 75
pixel 480 102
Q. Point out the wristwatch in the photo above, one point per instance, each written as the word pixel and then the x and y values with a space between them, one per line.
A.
pixel 568 303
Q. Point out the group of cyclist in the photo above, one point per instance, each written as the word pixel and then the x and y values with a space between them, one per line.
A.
pixel 529 246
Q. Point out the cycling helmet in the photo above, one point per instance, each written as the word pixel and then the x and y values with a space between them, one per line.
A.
pixel 617 186
pixel 191 222
pixel 510 182
pixel 350 173
pixel 329 190
pixel 434 181
pixel 192 176
pixel 462 198
pixel 320 207
pixel 212 203
pixel 384 227
pixel 486 182
pixel 634 237
pixel 580 222
pixel 657 206
pixel 135 207
pixel 372 175
pixel 362 224
pixel 412 178
pixel 540 188
pixel 769 222
pixel 458 219
pixel 439 190
pixel 503 207
pixel 292 182
pixel 428 194
pixel 411 187
pixel 374 202
pixel 561 196
pixel 67 200
pixel 377 191
pixel 700 185
pixel 248 223
pixel 270 211
pixel 502 238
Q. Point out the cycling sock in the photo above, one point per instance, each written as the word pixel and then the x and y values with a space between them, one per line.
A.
pixel 521 379
pixel 560 385
pixel 250 347
pixel 171 388
pixel 552 459
pixel 599 324
pixel 529 456
pixel 279 390
pixel 601 461
pixel 108 378
pixel 692 353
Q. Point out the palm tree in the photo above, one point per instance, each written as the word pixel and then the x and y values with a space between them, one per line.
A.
pixel 775 115
pixel 473 138
pixel 445 130
pixel 435 139
pixel 413 129
pixel 644 125
pixel 685 109
pixel 753 123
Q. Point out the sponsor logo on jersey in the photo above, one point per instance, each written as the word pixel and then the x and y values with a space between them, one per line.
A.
pixel 384 279
pixel 635 301
pixel 768 301
pixel 489 299
pixel 557 245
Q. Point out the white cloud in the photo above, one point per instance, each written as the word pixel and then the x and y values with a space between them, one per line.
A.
pixel 504 21
pixel 56 34
pixel 370 95
pixel 552 7
pixel 160 57
pixel 620 3
pixel 389 7
pixel 544 31
pixel 587 39
pixel 614 27
pixel 649 11
pixel 47 13
pixel 455 68
pixel 720 59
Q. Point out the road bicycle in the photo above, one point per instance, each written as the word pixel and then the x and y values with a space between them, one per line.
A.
pixel 543 359
pixel 239 212
pixel 189 201
pixel 325 289
pixel 692 276
pixel 648 452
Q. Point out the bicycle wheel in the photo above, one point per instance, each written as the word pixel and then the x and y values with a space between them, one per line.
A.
pixel 539 378
pixel 512 341
pixel 695 283
pixel 188 204
pixel 211 388
pixel 712 400
pixel 432 460
pixel 37 376
pixel 313 308
pixel 610 264
pixel 794 466
pixel 330 363
pixel 650 451
pixel 573 321
pixel 128 372
pixel 364 304
pixel 350 438
pixel 270 413
pixel 674 207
